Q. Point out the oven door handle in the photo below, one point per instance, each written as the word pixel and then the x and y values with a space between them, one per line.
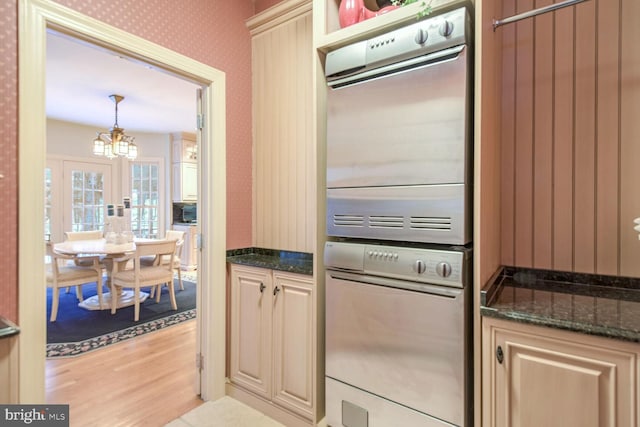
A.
pixel 434 58
pixel 442 291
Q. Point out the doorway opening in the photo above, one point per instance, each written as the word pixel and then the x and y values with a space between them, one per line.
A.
pixel 35 19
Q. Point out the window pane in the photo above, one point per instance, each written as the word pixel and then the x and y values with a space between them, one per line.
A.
pixel 144 199
pixel 88 201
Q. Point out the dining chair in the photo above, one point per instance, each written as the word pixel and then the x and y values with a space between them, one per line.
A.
pixel 178 236
pixel 64 274
pixel 139 276
pixel 84 235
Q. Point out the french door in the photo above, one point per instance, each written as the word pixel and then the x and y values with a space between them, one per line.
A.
pixel 86 191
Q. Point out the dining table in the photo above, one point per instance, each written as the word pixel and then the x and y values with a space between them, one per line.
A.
pixel 109 252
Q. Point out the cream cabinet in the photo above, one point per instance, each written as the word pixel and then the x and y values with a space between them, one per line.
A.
pixel 185 167
pixel 185 148
pixel 284 147
pixel 189 255
pixel 537 376
pixel 272 337
pixel 185 182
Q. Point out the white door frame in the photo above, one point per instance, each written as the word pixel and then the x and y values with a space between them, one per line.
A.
pixel 35 17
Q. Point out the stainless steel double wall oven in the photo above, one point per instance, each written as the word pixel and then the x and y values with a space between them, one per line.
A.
pixel 399 203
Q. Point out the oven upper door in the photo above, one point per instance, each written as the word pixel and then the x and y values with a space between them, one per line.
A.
pixel 410 127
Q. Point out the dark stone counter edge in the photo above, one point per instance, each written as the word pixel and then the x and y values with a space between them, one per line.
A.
pixel 600 331
pixel 292 262
pixel 545 277
pixel 8 328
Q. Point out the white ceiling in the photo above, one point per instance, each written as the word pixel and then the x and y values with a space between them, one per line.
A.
pixel 80 78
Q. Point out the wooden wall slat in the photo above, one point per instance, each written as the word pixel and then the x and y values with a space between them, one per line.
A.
pixel 282 62
pixel 300 141
pixel 308 169
pixel 507 135
pixel 524 138
pixel 543 140
pixel 570 131
pixel 283 144
pixel 629 137
pixel 607 137
pixel 563 109
pixel 584 125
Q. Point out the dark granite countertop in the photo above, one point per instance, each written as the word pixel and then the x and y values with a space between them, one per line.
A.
pixel 293 262
pixel 7 328
pixel 607 306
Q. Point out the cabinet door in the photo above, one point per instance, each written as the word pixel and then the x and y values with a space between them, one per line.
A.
pixel 284 181
pixel 572 380
pixel 184 150
pixel 177 182
pixel 293 332
pixel 189 181
pixel 250 353
pixel 185 182
pixel 189 151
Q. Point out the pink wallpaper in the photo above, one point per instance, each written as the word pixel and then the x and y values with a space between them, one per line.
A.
pixel 262 5
pixel 212 32
pixel 8 158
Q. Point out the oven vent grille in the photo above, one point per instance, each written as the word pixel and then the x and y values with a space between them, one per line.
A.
pixel 348 220
pixel 430 223
pixel 386 221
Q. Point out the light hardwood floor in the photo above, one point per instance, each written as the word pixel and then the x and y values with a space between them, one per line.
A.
pixel 145 381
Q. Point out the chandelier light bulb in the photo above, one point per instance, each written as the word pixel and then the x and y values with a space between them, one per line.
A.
pixel 98 146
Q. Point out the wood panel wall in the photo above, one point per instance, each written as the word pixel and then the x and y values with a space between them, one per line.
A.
pixel 570 131
pixel 487 171
pixel 284 199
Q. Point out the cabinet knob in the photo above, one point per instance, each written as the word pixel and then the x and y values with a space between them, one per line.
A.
pixel 499 354
pixel 276 290
pixel 262 286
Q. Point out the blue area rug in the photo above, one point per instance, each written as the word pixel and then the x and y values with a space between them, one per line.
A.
pixel 78 331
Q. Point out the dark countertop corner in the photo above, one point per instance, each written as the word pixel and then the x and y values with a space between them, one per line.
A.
pixel 273 259
pixel 607 306
pixel 8 328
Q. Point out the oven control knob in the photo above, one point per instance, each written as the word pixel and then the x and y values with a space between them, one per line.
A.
pixel 421 36
pixel 419 266
pixel 443 269
pixel 446 28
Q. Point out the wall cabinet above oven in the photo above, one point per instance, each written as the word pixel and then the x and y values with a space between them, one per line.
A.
pixel 329 34
pixel 284 145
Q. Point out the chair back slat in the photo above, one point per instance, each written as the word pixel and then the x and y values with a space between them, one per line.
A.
pixel 161 247
pixel 174 235
pixel 83 235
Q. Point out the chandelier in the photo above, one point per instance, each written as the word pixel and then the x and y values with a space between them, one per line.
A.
pixel 115 143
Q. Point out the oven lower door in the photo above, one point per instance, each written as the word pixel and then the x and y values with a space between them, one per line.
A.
pixel 405 347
